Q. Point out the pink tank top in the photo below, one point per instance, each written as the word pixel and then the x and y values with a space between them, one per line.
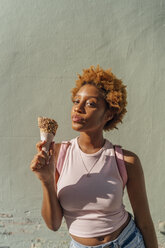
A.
pixel 92 205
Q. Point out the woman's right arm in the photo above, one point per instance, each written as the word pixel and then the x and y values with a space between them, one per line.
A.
pixel 43 166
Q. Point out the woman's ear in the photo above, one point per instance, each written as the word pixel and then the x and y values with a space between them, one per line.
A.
pixel 109 115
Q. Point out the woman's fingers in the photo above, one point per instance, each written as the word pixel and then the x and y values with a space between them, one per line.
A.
pixel 52 155
pixel 37 167
pixel 40 160
pixel 40 144
pixel 52 149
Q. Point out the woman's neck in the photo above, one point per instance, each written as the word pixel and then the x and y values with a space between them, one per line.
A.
pixel 91 143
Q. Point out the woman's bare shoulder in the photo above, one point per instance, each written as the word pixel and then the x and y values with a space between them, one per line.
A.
pixel 132 163
pixel 130 157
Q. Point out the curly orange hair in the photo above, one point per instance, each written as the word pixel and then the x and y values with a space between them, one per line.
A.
pixel 112 89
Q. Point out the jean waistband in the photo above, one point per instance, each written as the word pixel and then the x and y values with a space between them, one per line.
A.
pixel 124 237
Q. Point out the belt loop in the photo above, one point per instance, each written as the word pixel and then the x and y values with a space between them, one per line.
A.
pixel 116 245
pixel 108 246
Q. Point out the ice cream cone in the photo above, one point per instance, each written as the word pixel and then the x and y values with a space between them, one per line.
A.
pixel 48 137
pixel 48 129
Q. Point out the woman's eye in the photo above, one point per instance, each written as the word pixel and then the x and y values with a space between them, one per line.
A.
pixel 88 103
pixel 75 101
pixel 92 104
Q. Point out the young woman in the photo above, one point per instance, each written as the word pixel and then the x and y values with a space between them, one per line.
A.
pixel 88 189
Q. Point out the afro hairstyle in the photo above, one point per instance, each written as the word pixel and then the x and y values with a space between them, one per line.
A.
pixel 111 88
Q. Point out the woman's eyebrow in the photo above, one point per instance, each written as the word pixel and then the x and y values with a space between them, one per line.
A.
pixel 90 96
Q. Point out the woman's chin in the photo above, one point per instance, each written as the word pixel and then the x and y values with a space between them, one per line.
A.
pixel 77 126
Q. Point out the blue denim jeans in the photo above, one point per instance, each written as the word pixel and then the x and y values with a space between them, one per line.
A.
pixel 130 237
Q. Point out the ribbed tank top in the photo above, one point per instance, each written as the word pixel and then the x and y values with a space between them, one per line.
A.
pixel 92 206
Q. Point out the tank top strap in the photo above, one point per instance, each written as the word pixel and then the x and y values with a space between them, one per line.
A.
pixel 61 155
pixel 121 164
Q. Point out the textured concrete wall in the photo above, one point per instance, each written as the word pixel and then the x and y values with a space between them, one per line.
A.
pixel 43 44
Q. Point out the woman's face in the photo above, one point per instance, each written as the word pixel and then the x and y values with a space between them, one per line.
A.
pixel 89 112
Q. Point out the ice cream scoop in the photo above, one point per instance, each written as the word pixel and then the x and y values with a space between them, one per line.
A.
pixel 48 128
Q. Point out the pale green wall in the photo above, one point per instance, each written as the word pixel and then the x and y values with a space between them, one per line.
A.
pixel 43 45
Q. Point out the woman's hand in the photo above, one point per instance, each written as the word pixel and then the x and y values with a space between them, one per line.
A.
pixel 43 164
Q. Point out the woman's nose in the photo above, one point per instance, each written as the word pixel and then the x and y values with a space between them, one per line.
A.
pixel 78 108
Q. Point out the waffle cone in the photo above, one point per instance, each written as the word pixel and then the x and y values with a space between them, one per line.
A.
pixel 48 129
pixel 48 137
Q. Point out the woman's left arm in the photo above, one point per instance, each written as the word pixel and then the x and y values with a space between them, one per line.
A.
pixel 138 198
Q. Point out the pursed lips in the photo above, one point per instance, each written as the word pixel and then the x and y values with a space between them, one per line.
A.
pixel 77 118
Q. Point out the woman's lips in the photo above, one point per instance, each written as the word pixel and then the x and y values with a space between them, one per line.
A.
pixel 76 118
